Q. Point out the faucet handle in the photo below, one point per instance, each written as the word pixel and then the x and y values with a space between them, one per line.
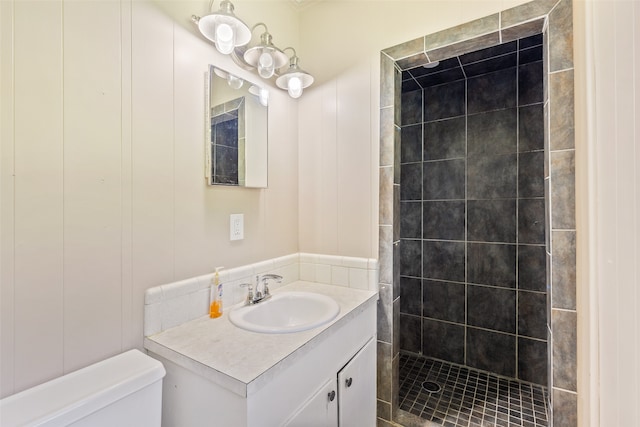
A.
pixel 249 299
pixel 265 278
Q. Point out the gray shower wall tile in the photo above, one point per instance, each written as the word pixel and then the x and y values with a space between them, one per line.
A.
pixel 491 308
pixel 491 264
pixel 405 49
pixel 466 46
pixel 396 331
pixel 412 61
pixel 411 146
pixel 532 268
pixel 411 220
pixel 411 333
pixel 563 325
pixel 396 212
pixel 491 220
pixel 522 30
pixel 443 220
pixel 565 408
pixel 443 180
pixel 562 189
pixel 387 137
pixel 493 91
pixel 411 258
pixel 531 222
pixel 445 340
pixel 383 411
pixel 385 215
pixel 561 36
pixel 562 126
pixel 444 101
pixel 397 144
pixel 492 133
pixel 564 269
pixel 526 12
pixel 396 270
pixel 411 296
pixel 443 260
pixel 411 108
pixel 532 361
pixel 530 83
pixel 444 301
pixel 531 128
pixel 531 174
pixel 387 81
pixel 463 32
pixel 385 313
pixel 411 181
pixel 491 351
pixel 445 139
pixel 492 177
pixel 384 378
pixel 385 254
pixel 531 322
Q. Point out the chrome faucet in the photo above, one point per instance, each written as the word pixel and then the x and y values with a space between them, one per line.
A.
pixel 261 292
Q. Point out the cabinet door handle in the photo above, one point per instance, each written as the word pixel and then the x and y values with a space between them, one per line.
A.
pixel 332 395
pixel 348 381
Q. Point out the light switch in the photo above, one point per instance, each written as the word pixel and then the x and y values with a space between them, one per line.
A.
pixel 236 226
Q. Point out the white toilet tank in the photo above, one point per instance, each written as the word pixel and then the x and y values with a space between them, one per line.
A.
pixel 124 390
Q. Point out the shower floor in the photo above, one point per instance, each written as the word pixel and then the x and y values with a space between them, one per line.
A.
pixel 468 397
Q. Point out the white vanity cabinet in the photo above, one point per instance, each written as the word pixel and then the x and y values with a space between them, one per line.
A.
pixel 348 399
pixel 220 375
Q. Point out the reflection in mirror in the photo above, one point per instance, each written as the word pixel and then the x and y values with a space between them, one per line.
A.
pixel 236 131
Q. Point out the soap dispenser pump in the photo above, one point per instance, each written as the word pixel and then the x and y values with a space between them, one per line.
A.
pixel 215 307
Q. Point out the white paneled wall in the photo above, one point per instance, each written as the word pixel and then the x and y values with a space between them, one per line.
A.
pixel 614 148
pixel 103 190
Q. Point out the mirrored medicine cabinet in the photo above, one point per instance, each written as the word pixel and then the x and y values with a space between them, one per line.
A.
pixel 235 130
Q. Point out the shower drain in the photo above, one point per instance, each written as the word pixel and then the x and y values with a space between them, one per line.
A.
pixel 431 387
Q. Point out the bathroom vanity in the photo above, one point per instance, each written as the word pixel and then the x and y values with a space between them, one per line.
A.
pixel 219 374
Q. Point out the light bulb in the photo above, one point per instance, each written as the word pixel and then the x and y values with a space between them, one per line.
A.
pixel 234 82
pixel 224 38
pixel 265 65
pixel 294 87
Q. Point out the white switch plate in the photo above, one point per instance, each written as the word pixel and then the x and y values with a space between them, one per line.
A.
pixel 236 226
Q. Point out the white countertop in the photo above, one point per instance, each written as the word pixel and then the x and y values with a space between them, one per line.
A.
pixel 244 361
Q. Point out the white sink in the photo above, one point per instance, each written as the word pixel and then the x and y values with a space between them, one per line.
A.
pixel 286 312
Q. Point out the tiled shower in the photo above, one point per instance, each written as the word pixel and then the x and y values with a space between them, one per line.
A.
pixel 472 211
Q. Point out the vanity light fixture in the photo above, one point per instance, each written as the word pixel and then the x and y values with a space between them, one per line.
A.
pixel 230 34
pixel 294 79
pixel 223 28
pixel 266 57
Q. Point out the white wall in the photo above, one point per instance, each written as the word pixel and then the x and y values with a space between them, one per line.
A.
pixel 103 190
pixel 339 115
pixel 610 181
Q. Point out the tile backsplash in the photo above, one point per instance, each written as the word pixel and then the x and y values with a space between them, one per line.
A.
pixel 172 304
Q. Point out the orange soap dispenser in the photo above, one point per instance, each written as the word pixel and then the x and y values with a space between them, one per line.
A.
pixel 215 309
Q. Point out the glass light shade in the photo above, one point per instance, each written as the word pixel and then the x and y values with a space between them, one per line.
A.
pixel 224 28
pixel 266 65
pixel 225 37
pixel 294 87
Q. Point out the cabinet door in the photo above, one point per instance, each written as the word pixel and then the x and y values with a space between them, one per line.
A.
pixel 357 389
pixel 321 410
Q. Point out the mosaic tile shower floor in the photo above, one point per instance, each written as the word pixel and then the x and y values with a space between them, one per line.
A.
pixel 468 397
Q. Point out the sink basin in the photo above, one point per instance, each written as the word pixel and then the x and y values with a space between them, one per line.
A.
pixel 286 312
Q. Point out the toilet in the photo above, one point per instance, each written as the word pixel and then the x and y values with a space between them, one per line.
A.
pixel 124 390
